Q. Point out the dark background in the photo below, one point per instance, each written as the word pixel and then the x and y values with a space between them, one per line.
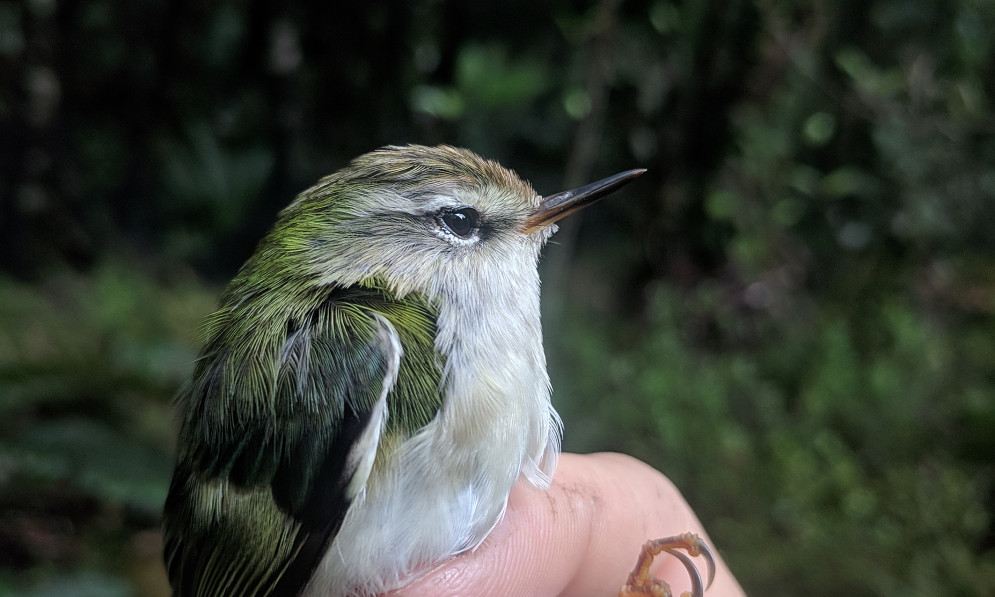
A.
pixel 792 314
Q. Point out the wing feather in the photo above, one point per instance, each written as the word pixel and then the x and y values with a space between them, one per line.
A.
pixel 256 499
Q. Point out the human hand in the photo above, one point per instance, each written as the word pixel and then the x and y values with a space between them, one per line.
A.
pixel 581 537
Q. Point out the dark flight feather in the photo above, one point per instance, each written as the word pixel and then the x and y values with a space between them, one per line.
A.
pixel 260 490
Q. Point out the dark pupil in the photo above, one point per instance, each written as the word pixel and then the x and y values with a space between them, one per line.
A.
pixel 462 221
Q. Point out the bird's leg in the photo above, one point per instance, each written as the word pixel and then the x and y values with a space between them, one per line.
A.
pixel 643 584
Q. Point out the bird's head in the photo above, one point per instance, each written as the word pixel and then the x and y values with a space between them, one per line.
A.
pixel 432 220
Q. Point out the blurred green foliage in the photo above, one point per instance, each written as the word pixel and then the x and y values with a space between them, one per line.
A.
pixel 792 314
pixel 88 365
pixel 819 463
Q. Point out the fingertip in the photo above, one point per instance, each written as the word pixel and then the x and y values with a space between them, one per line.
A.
pixel 640 503
pixel 580 537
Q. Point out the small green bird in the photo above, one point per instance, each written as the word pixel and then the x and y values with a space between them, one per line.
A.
pixel 373 382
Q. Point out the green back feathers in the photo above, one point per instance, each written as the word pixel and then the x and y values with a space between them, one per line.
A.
pixel 278 400
pixel 251 371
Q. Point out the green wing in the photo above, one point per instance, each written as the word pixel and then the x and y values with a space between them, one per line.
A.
pixel 268 467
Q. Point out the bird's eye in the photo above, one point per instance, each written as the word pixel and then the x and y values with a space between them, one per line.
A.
pixel 462 221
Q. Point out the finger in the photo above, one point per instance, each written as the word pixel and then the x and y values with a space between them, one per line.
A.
pixel 638 503
pixel 581 537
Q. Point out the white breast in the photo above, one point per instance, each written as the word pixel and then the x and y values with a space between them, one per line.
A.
pixel 445 488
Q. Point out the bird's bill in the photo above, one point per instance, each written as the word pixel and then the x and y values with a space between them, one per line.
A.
pixel 564 203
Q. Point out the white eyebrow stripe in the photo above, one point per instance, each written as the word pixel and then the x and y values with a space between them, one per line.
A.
pixel 435 203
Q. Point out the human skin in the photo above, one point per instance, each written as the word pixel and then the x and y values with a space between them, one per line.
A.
pixel 579 538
